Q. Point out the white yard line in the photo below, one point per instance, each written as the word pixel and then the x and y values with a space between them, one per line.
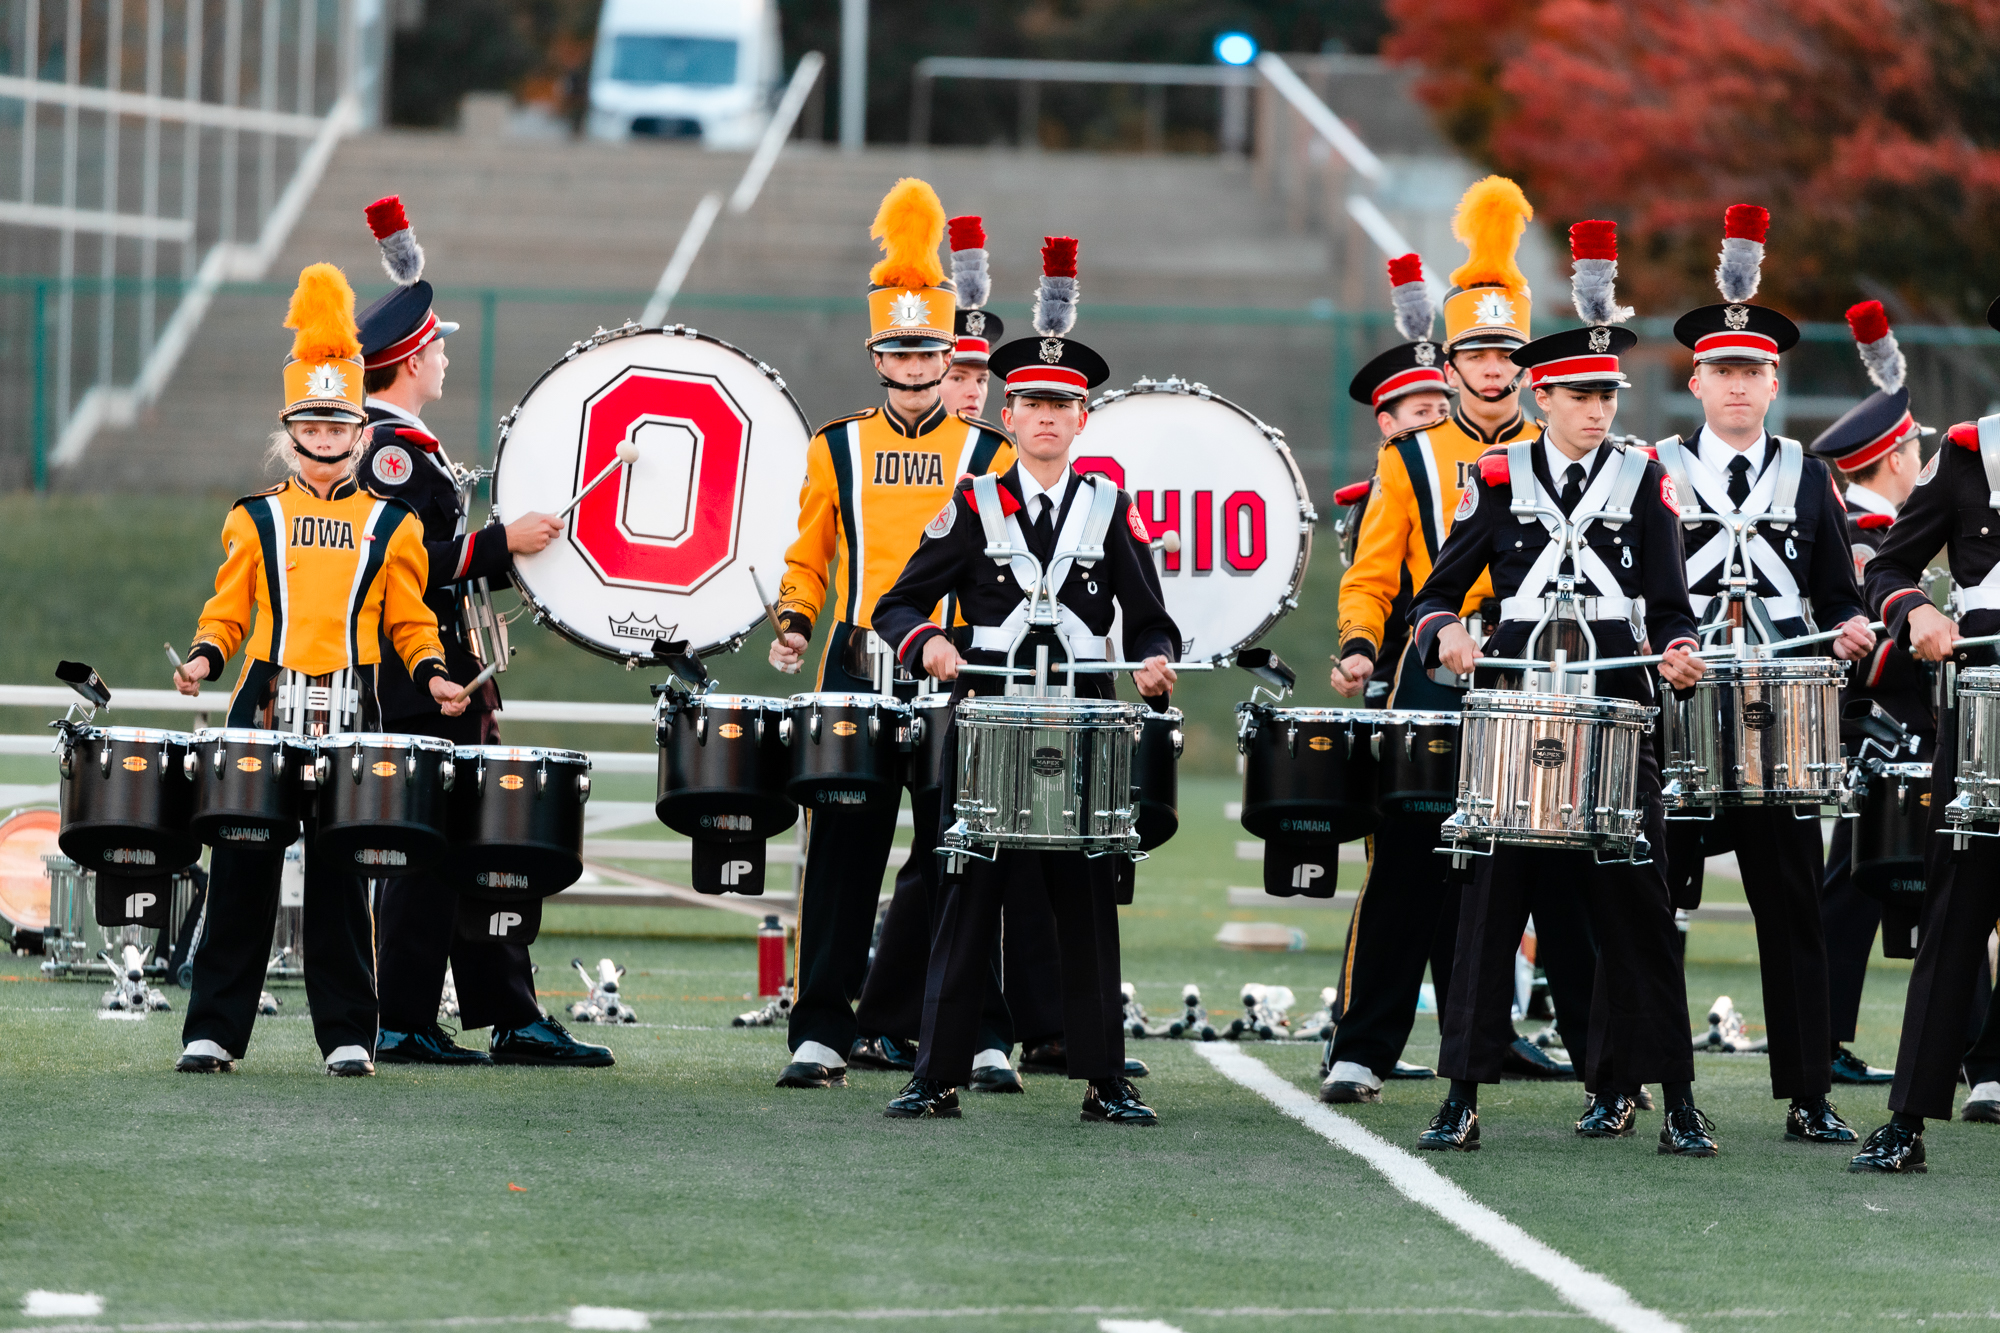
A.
pixel 1592 1293
pixel 1135 1326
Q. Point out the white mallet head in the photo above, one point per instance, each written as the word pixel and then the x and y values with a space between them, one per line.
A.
pixel 628 452
pixel 1170 542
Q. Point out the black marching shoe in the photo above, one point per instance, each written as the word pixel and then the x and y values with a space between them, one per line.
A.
pixel 350 1062
pixel 996 1078
pixel 1688 1133
pixel 548 1042
pixel 1851 1068
pixel 431 1046
pixel 811 1074
pixel 1816 1121
pixel 1455 1128
pixel 924 1099
pixel 1049 1057
pixel 1114 1101
pixel 1891 1151
pixel 193 1063
pixel 1135 1068
pixel 1343 1093
pixel 1404 1069
pixel 1981 1111
pixel 1524 1059
pixel 883 1053
pixel 1609 1116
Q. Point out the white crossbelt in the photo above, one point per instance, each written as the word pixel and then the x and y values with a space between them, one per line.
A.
pixel 1081 542
pixel 1607 500
pixel 1772 502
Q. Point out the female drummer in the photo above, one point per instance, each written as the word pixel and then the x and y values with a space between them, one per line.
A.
pixel 312 568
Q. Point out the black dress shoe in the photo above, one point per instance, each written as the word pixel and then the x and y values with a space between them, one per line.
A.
pixel 1984 1113
pixel 808 1074
pixel 1135 1068
pixel 1891 1151
pixel 432 1046
pixel 1851 1068
pixel 1524 1059
pixel 1114 1101
pixel 1688 1133
pixel 1643 1098
pixel 204 1064
pixel 1455 1128
pixel 1050 1057
pixel 351 1068
pixel 548 1043
pixel 1609 1116
pixel 1816 1121
pixel 883 1053
pixel 1404 1070
pixel 1348 1094
pixel 996 1078
pixel 924 1099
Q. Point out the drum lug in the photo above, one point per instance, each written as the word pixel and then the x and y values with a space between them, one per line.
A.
pixel 448 774
pixel 812 725
pixel 1179 740
pixel 785 732
pixel 1292 740
pixel 315 773
pixel 479 776
pixel 410 766
pixel 874 727
pixel 757 727
pixel 542 778
pixel 701 727
pixel 582 788
pixel 63 763
pixel 191 764
pixel 354 766
pixel 104 758
pixel 277 759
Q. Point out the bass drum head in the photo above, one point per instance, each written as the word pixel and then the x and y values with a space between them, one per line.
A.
pixel 659 549
pixel 25 838
pixel 1202 467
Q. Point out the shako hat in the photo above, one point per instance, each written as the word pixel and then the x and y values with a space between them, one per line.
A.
pixel 1489 304
pixel 1878 423
pixel 401 324
pixel 1415 365
pixel 1052 365
pixel 1585 358
pixel 910 302
pixel 977 329
pixel 323 376
pixel 1737 330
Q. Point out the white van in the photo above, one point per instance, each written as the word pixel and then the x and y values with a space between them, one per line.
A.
pixel 685 69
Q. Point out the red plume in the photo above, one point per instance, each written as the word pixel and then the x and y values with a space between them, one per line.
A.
pixel 1059 256
pixel 1406 268
pixel 386 217
pixel 967 233
pixel 1746 222
pixel 1593 240
pixel 1869 321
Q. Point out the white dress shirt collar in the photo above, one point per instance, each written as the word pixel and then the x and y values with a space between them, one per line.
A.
pixel 1717 453
pixel 383 405
pixel 1872 502
pixel 1030 488
pixel 1559 462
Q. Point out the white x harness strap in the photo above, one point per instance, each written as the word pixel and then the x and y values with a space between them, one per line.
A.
pixel 1547 585
pixel 1985 595
pixel 1081 542
pixel 1772 503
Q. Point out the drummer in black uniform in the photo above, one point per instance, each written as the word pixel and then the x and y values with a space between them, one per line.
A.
pixel 1639 1024
pixel 1800 571
pixel 1877 448
pixel 403 347
pixel 1047 508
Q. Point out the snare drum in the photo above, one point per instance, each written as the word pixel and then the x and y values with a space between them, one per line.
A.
pixel 517 820
pixel 723 767
pixel 381 802
pixel 1757 731
pixel 1977 801
pixel 73 939
pixel 1309 774
pixel 1046 774
pixel 930 724
pixel 1161 740
pixel 247 785
pixel 1892 832
pixel 847 749
pixel 126 800
pixel 1417 762
pixel 1559 771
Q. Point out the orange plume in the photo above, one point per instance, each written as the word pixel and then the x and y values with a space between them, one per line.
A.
pixel 322 312
pixel 910 226
pixel 1491 218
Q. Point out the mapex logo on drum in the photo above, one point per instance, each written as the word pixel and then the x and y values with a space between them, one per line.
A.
pixel 502 879
pixel 729 823
pixel 1759 715
pixel 380 856
pixel 131 856
pixel 1047 761
pixel 228 834
pixel 1548 752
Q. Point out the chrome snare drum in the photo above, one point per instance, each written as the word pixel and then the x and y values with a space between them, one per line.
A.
pixel 1045 774
pixel 1559 771
pixel 517 820
pixel 382 801
pixel 1756 731
pixel 1975 807
pixel 847 749
pixel 247 786
pixel 1309 774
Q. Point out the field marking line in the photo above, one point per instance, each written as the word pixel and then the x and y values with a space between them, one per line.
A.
pixel 1135 1326
pixel 57 1304
pixel 608 1316
pixel 1593 1293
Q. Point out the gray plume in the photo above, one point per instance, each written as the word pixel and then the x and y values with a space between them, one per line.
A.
pixel 968 273
pixel 1055 306
pixel 1740 269
pixel 1884 362
pixel 402 257
pixel 1414 311
pixel 1593 286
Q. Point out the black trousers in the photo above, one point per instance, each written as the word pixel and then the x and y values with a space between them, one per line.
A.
pixel 235 949
pixel 1638 1009
pixel 415 935
pixel 1848 918
pixel 1082 897
pixel 847 852
pixel 1031 953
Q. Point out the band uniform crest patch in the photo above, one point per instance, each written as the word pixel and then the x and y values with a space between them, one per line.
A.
pixel 1668 496
pixel 1138 525
pixel 941 525
pixel 392 465
pixel 1467 502
pixel 1930 468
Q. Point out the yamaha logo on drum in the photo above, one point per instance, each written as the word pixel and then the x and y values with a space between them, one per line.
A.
pixel 843 798
pixel 731 730
pixel 231 834
pixel 1305 826
pixel 135 763
pixel 379 856
pixel 1759 715
pixel 382 768
pixel 729 823
pixel 130 856
pixel 1047 761
pixel 1548 752
pixel 502 879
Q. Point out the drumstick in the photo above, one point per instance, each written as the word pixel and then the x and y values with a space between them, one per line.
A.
pixel 771 610
pixel 179 670
pixel 475 683
pixel 628 454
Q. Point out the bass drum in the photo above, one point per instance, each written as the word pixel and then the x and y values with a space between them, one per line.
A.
pixel 25 838
pixel 1200 466
pixel 659 550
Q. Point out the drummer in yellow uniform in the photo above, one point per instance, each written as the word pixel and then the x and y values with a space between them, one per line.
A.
pixel 312 569
pixel 873 480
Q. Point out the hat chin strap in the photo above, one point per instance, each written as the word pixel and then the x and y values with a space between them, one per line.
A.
pixel 324 459
pixel 912 388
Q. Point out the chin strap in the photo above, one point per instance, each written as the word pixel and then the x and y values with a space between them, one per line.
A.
pixel 912 388
pixel 304 452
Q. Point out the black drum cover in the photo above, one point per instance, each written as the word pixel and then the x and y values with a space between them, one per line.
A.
pixel 515 920
pixel 516 821
pixel 126 802
pixel 1308 780
pixel 382 805
pixel 723 769
pixel 1156 776
pixel 728 867
pixel 128 900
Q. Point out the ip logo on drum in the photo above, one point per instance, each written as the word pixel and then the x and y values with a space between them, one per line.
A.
pixel 137 903
pixel 734 872
pixel 501 922
pixel 1304 875
pixel 1548 752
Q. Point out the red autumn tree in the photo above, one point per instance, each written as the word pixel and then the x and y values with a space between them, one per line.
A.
pixel 1869 128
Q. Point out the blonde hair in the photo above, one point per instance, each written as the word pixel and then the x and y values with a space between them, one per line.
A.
pixel 280 456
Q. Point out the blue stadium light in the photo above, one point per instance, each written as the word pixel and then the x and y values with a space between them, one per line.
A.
pixel 1235 48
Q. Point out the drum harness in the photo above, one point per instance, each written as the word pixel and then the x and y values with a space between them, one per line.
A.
pixel 1773 502
pixel 1081 542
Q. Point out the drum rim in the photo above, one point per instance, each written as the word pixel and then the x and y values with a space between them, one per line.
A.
pixel 527 754
pixel 1312 714
pixel 1914 768
pixel 735 702
pixel 846 699
pixel 143 735
pixel 253 736
pixel 1580 707
pixel 1979 680
pixel 1275 440
pixel 604 337
pixel 383 740
pixel 1802 669
pixel 1421 717
pixel 1095 710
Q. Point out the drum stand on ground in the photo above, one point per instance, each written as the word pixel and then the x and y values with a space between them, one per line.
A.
pixel 130 992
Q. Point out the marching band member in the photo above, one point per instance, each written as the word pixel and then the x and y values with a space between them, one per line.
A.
pixel 313 571
pixel 403 348
pixel 1799 565
pixel 872 481
pixel 1625 507
pixel 1948 508
pixel 1040 505
pixel 1877 447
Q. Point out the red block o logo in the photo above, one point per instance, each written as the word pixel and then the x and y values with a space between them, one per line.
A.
pixel 601 530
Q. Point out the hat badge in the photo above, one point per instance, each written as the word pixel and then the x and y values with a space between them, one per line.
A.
pixel 1600 339
pixel 1737 317
pixel 326 381
pixel 1052 350
pixel 975 322
pixel 1494 308
pixel 909 311
pixel 1427 355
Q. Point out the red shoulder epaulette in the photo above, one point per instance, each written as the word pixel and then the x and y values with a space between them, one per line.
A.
pixel 1008 504
pixel 1645 449
pixel 1870 522
pixel 1493 467
pixel 851 416
pixel 1353 493
pixel 423 439
pixel 1965 433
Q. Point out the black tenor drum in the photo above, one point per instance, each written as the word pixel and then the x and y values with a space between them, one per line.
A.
pixel 1892 831
pixel 1417 754
pixel 382 801
pixel 929 723
pixel 126 800
pixel 847 749
pixel 1156 777
pixel 1309 774
pixel 723 767
pixel 247 784
pixel 517 820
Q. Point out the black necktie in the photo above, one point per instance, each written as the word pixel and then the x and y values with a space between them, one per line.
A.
pixel 1739 480
pixel 1042 532
pixel 1572 491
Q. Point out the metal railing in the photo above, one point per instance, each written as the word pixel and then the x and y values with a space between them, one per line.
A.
pixel 1234 82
